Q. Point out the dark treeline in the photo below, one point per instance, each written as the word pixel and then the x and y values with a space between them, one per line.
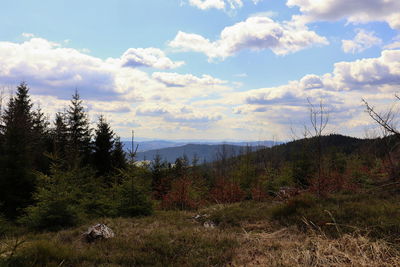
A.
pixel 55 173
pixel 60 173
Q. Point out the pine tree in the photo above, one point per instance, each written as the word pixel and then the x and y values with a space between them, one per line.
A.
pixel 16 164
pixel 103 145
pixel 79 133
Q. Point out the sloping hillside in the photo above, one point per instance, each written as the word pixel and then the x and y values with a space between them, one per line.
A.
pixel 203 152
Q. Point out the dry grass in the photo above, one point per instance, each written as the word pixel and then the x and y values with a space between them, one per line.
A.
pixel 289 247
pixel 165 239
pixel 174 239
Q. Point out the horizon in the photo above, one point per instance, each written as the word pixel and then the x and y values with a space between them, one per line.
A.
pixel 206 70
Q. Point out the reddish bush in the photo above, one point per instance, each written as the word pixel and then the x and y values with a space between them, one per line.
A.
pixel 226 191
pixel 181 196
pixel 258 193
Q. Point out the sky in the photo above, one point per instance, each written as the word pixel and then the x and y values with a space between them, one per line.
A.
pixel 206 69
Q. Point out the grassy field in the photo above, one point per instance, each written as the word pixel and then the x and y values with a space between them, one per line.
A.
pixel 247 234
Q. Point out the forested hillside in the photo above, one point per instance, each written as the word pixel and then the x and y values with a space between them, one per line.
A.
pixel 63 175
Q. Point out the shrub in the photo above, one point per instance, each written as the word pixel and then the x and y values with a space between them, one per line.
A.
pixel 133 195
pixel 226 191
pixel 184 195
pixel 57 198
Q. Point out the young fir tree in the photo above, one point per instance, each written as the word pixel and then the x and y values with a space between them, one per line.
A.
pixel 118 155
pixel 103 145
pixel 41 141
pixel 79 133
pixel 16 162
pixel 60 135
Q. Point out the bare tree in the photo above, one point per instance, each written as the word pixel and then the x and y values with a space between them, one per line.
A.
pixel 387 121
pixel 319 118
pixel 311 135
pixel 133 150
pixel 384 119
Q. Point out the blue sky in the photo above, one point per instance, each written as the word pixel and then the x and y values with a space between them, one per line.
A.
pixel 206 69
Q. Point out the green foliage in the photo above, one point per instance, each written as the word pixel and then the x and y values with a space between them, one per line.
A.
pixel 58 199
pixel 19 147
pixel 79 133
pixel 133 194
pixel 103 145
pixel 278 178
pixel 294 210
pixel 118 155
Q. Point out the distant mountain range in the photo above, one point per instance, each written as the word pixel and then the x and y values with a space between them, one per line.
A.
pixel 203 151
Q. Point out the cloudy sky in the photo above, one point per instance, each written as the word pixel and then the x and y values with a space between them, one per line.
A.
pixel 206 69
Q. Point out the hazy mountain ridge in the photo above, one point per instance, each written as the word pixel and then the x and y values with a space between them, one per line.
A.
pixel 203 152
pixel 160 144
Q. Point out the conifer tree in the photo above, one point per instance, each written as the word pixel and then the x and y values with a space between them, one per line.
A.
pixel 103 145
pixel 16 162
pixel 79 133
pixel 118 155
pixel 41 140
pixel 60 135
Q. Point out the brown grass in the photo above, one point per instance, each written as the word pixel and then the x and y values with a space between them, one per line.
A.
pixel 174 239
pixel 289 247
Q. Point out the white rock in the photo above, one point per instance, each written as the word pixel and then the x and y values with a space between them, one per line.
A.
pixel 209 224
pixel 98 231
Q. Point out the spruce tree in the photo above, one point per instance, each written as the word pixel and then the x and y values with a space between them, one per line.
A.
pixel 41 141
pixel 103 145
pixel 79 133
pixel 16 164
pixel 60 135
pixel 118 155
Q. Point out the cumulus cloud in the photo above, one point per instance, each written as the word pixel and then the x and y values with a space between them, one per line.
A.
pixel 369 73
pixel 361 42
pixel 256 33
pixel 109 86
pixel 355 11
pixel 52 69
pixel 189 86
pixel 370 78
pixel 148 57
pixel 178 114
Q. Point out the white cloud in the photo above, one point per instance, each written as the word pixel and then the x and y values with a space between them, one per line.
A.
pixel 342 91
pixel 208 4
pixel 184 80
pixel 395 44
pixel 181 114
pixel 220 4
pixel 256 33
pixel 190 86
pixel 53 71
pixel 27 35
pixel 361 42
pixel 148 57
pixel 356 11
